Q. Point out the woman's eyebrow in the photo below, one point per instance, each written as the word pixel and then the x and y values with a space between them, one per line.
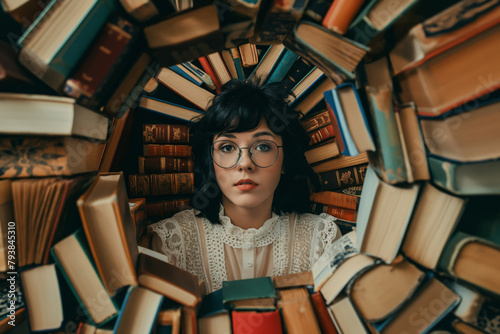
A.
pixel 263 133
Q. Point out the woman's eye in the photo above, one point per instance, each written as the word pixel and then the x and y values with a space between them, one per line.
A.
pixel 264 147
pixel 226 148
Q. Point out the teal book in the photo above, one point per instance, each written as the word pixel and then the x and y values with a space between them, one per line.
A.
pixel 389 159
pixel 269 61
pixel 72 256
pixel 250 294
pixel 474 178
pixel 52 56
pixel 283 67
pixel 235 54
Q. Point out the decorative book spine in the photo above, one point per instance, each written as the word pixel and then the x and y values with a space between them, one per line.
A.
pixel 165 133
pixel 166 150
pixel 321 134
pixel 345 214
pixel 166 208
pixel 317 121
pixel 336 199
pixel 164 165
pixel 344 177
pixel 160 184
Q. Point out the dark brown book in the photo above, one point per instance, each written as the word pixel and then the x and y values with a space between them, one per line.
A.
pixel 344 177
pixel 163 165
pixel 109 58
pixel 324 319
pixel 168 280
pixel 161 184
pixel 166 150
pixel 165 133
pixel 138 212
pixel 166 208
pixel 298 70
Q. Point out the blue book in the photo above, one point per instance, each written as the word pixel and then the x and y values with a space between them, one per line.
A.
pixel 268 62
pixel 350 119
pixel 283 67
pixel 182 71
pixel 139 310
pixel 52 57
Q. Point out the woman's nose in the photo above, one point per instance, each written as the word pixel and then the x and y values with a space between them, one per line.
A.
pixel 245 161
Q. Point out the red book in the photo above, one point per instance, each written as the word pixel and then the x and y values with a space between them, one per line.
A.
pixel 252 322
pixel 324 319
pixel 209 70
pixel 321 134
pixel 336 199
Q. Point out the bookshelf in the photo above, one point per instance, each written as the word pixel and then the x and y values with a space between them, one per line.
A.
pixel 420 85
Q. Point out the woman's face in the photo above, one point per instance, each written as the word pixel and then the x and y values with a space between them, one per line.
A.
pixel 246 185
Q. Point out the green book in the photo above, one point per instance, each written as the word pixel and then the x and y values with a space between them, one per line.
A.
pixel 249 294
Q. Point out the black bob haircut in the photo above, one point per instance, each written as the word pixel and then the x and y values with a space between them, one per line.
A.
pixel 240 107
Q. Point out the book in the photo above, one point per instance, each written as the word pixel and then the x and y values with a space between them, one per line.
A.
pixel 142 10
pixel 139 216
pixel 340 15
pixel 296 73
pixel 249 294
pixel 166 207
pixel 213 317
pixel 321 135
pixel 52 56
pixel 342 161
pixel 205 64
pixel 185 36
pixel 231 62
pixel 139 310
pixel 265 322
pixel 335 199
pixel 316 10
pixel 316 121
pixel 238 63
pixel 267 63
pixel 425 240
pixel 73 258
pixel 145 185
pixel 203 76
pixel 463 136
pixel 50 116
pixel 345 316
pixel 472 302
pixel 337 212
pixel 426 84
pixel 168 108
pixel 375 17
pixel 313 96
pixel 297 311
pixel 40 286
pixel 433 292
pixel 114 50
pixel 471 259
pixel 302 279
pixel 6 224
pixel 322 151
pixel 52 217
pixel 167 150
pixel 301 88
pixel 349 120
pixel 248 54
pixel 168 280
pixel 191 92
pixel 430 37
pixel 165 133
pixel 383 289
pixel 335 179
pixel 109 227
pixel 334 54
pixel 284 65
pixel 217 62
pixel 186 74
pixel 474 178
pixel 169 318
pixel 324 319
pixel 374 220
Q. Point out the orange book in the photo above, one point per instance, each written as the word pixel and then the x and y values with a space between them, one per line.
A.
pixel 324 319
pixel 341 13
pixel 209 70
pixel 341 213
pixel 336 199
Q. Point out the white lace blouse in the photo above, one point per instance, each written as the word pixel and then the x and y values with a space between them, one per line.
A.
pixel 224 252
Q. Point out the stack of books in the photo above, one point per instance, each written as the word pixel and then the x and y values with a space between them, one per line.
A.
pixel 400 101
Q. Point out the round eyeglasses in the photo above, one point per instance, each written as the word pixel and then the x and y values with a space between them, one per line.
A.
pixel 226 154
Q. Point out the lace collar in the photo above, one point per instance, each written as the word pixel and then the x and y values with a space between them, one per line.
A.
pixel 238 237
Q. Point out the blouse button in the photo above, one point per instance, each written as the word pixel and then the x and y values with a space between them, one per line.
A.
pixel 249 264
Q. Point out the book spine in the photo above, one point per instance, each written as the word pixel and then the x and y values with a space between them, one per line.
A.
pixel 283 67
pixel 143 185
pixel 321 134
pixel 344 177
pixel 340 15
pixel 167 150
pixel 345 214
pixel 235 54
pixel 316 122
pixel 209 70
pixel 167 208
pixel 298 70
pixel 165 134
pixel 336 199
pixel 324 320
pixel 163 165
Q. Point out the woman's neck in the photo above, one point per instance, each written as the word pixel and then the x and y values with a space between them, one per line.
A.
pixel 246 218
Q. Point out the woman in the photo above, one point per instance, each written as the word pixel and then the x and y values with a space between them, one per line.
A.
pixel 252 188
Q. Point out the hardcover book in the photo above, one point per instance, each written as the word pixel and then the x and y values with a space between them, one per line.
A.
pixel 250 294
pixel 146 185
pixel 267 322
pixel 342 177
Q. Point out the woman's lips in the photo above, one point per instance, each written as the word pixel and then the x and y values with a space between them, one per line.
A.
pixel 246 184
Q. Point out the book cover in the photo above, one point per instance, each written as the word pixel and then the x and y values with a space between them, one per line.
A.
pixel 260 289
pixel 342 177
pixel 324 319
pixel 297 311
pixel 268 322
pixel 286 62
pixel 340 15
